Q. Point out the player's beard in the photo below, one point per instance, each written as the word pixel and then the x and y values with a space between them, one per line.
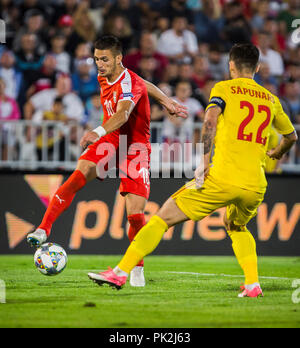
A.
pixel 109 75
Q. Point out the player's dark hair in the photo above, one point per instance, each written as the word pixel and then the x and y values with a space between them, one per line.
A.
pixel 245 57
pixel 109 42
pixel 58 100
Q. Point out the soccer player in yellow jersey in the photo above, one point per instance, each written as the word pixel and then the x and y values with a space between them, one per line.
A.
pixel 238 121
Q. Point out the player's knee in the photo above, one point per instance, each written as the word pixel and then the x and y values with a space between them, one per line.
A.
pixel 171 214
pixel 135 204
pixel 88 169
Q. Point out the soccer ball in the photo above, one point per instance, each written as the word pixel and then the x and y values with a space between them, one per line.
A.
pixel 50 259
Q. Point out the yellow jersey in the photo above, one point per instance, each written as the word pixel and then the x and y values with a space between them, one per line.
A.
pixel 243 131
pixel 51 139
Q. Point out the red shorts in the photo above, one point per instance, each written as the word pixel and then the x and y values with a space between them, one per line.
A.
pixel 133 164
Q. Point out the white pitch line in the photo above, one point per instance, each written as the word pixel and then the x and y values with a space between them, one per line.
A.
pixel 227 275
pixel 209 275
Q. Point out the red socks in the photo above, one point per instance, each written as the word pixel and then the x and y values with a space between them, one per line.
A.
pixel 136 222
pixel 62 199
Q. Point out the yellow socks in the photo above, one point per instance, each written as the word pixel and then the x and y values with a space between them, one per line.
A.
pixel 144 243
pixel 244 247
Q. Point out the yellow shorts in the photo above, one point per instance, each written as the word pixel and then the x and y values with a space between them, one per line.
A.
pixel 196 204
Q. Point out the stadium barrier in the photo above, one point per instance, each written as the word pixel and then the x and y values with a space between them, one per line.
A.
pixel 32 145
pixel 96 221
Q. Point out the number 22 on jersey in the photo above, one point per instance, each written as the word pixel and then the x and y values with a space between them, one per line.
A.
pixel 249 137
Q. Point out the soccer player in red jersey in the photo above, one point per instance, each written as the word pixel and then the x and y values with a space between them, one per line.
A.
pixel 124 135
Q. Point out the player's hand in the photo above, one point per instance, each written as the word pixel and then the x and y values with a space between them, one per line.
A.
pixel 201 174
pixel 176 109
pixel 88 139
pixel 275 154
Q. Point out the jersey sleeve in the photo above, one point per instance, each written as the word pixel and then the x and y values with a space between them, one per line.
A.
pixel 281 122
pixel 131 89
pixel 217 97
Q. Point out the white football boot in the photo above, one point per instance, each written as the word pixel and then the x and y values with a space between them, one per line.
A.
pixel 137 277
pixel 37 238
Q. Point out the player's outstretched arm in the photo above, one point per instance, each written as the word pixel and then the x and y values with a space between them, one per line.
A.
pixel 207 139
pixel 173 108
pixel 120 117
pixel 286 143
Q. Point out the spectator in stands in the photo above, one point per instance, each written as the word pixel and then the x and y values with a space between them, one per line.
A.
pixel 34 24
pixel 264 75
pixel 156 6
pixel 291 100
pixel 46 77
pixel 203 49
pixel 12 77
pixel 93 112
pixel 147 49
pixel 63 59
pixel 208 22
pixel 178 43
pixel 73 39
pixel 178 8
pixel 185 73
pixel 82 51
pixel 146 70
pixel 83 25
pixel 162 25
pixel 29 62
pixel 268 55
pixel 294 55
pixel 293 70
pixel 182 130
pixel 130 11
pixel 178 56
pixel 119 26
pixel 201 71
pixel 258 20
pixel 291 97
pixel 171 72
pixel 236 28
pixel 158 113
pixel 218 62
pixel 43 101
pixel 278 41
pixel 9 111
pixel 209 85
pixel 67 7
pixel 152 10
pixel 36 5
pixel 97 12
pixel 50 138
pixel 84 80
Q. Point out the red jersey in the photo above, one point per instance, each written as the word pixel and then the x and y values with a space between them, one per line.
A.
pixel 128 86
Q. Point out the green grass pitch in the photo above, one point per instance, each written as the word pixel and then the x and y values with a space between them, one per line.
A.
pixel 181 292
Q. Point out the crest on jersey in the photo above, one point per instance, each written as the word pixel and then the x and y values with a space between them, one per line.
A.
pixel 115 97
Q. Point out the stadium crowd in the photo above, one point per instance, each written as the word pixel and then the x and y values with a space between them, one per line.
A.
pixel 47 70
